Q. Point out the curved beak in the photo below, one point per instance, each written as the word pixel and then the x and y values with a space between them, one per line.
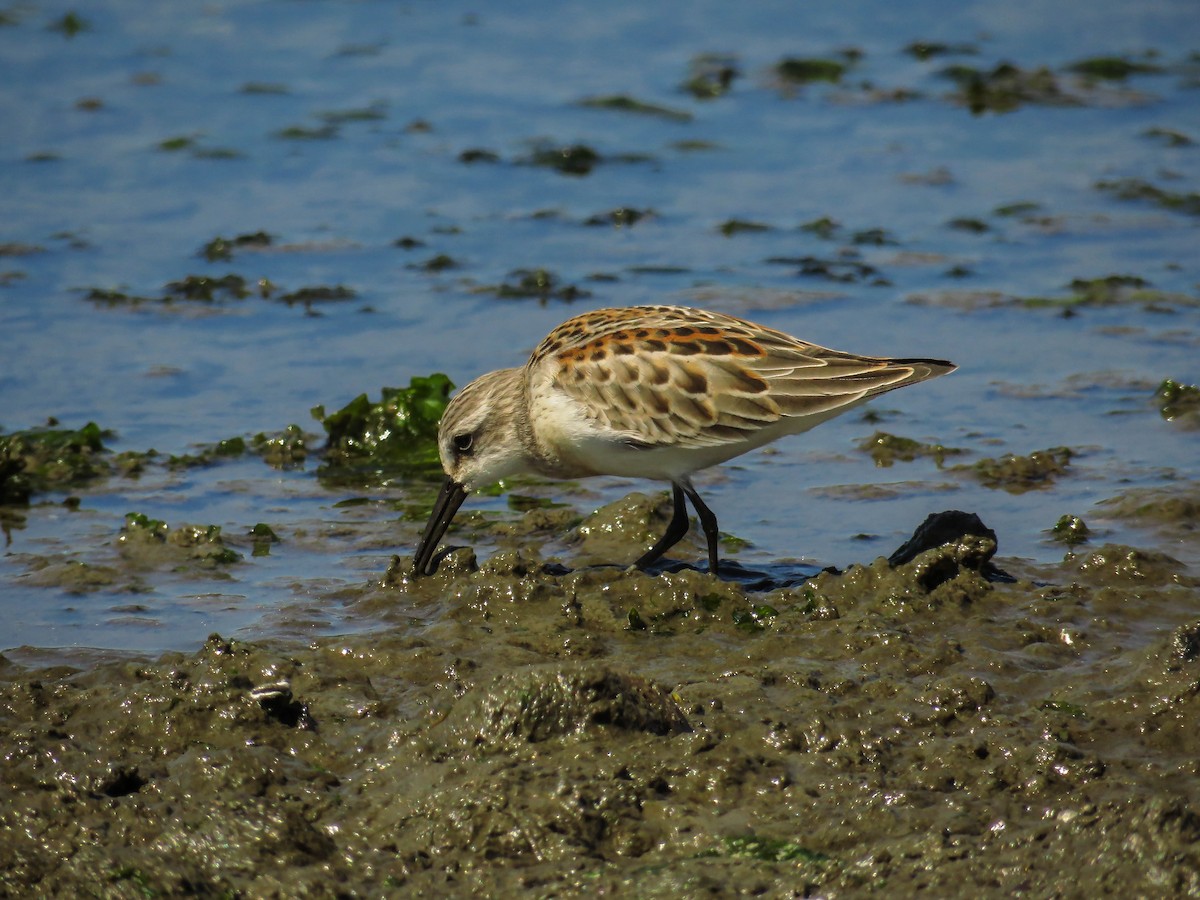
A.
pixel 449 500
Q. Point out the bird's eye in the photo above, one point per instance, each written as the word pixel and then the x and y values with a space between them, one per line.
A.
pixel 463 442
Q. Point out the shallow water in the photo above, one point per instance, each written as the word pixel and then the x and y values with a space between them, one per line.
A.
pixel 96 202
pixel 509 728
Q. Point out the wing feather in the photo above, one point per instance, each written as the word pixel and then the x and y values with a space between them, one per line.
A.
pixel 671 376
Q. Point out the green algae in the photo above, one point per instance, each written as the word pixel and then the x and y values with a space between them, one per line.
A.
pixel 50 458
pixel 711 75
pixel 969 225
pixel 840 269
pixel 150 542
pixel 572 159
pixel 1006 87
pixel 887 449
pixel 625 103
pixel 1071 530
pixel 538 284
pixel 1168 137
pixel 398 433
pixel 324 132
pixel 874 237
pixel 926 50
pixel 1019 208
pixel 70 24
pixel 730 227
pixel 824 227
pixel 439 263
pixel 1017 474
pixel 1137 189
pixel 308 297
pixel 262 536
pixel 204 289
pixel 376 112
pixel 286 449
pixel 1179 402
pixel 221 249
pixel 1112 68
pixel 620 217
pixel 806 70
pixel 264 87
pixel 1084 293
pixel 478 155
pixel 209 454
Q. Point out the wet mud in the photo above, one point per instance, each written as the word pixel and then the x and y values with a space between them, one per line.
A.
pixel 949 721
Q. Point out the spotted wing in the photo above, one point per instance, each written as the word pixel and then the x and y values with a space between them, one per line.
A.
pixel 672 376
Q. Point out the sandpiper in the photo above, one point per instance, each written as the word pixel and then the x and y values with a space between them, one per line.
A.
pixel 649 392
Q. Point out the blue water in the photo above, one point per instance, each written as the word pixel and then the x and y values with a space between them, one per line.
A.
pixel 110 209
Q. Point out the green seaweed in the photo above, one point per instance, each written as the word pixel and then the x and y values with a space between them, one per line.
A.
pixel 189 289
pixel 1017 474
pixel 373 113
pixel 1168 136
pixel 874 237
pixel 307 296
pixel 220 248
pixel 625 103
pixel 263 87
pixel 753 618
pixel 325 132
pixel 201 543
pixel 49 458
pixel 924 50
pixel 1112 68
pixel 731 227
pixel 524 502
pixel 824 227
pixel 1070 530
pixel 182 142
pixel 801 70
pixel 621 217
pixel 972 226
pixel 439 263
pixel 886 449
pixel 478 155
pixel 398 433
pixel 206 289
pixel 541 284
pixel 1139 190
pixel 1073 710
pixel 262 536
pixel 1110 290
pixel 70 24
pixel 573 159
pixel 209 454
pixel 841 270
pixel 1178 402
pixel 764 849
pixel 285 450
pixel 711 75
pixel 1006 87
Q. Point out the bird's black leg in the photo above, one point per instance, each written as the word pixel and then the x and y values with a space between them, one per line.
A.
pixel 708 521
pixel 676 529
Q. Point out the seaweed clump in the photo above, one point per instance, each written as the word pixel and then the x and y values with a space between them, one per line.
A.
pixel 45 458
pixel 397 433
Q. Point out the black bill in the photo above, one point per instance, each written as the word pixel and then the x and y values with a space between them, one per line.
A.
pixel 449 500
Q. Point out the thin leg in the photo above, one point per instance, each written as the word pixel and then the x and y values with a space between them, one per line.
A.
pixel 676 529
pixel 708 522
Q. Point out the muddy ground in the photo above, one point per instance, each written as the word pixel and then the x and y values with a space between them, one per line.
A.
pixel 941 726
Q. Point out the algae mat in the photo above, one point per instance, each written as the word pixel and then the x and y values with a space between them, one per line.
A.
pixel 936 725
